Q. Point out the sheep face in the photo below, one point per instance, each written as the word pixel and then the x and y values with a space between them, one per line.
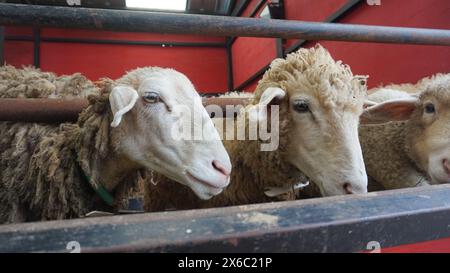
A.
pixel 326 133
pixel 319 119
pixel 427 127
pixel 428 137
pixel 151 113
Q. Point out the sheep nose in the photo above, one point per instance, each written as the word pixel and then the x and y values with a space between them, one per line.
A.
pixel 446 165
pixel 221 168
pixel 348 188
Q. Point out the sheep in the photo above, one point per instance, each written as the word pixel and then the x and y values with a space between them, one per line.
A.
pixel 319 102
pixel 73 169
pixel 30 82
pixel 414 149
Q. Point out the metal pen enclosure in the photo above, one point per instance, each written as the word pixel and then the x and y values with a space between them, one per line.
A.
pixel 333 224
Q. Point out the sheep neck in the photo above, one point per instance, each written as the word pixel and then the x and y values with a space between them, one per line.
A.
pixel 95 150
pixel 262 169
pixel 259 169
pixel 107 171
pixel 109 174
pixel 100 190
pixel 408 133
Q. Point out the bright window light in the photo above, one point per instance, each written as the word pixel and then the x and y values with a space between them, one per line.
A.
pixel 265 13
pixel 179 5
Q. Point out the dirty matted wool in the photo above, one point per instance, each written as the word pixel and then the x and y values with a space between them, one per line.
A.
pixel 40 176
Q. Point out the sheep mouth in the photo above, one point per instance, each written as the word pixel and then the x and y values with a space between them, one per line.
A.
pixel 203 182
pixel 438 180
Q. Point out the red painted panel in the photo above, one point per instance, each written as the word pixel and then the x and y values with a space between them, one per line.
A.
pixel 10 30
pixel 18 53
pixel 415 13
pixel 436 246
pixel 384 63
pixel 310 10
pixel 388 63
pixel 111 35
pixel 252 86
pixel 206 67
pixel 250 55
pixel 65 58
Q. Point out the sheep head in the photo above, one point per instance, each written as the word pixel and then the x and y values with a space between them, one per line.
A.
pixel 150 107
pixel 427 128
pixel 320 102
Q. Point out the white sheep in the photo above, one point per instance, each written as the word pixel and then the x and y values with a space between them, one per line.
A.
pixel 127 127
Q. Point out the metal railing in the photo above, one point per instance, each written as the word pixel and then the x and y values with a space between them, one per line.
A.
pixel 207 25
pixel 335 224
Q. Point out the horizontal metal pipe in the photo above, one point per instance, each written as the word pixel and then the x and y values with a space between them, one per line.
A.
pixel 158 22
pixel 67 110
pixel 41 110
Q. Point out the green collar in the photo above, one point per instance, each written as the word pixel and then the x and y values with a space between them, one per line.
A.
pixel 100 190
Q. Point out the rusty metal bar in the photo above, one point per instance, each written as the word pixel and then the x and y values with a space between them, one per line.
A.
pixel 158 22
pixel 41 110
pixel 67 110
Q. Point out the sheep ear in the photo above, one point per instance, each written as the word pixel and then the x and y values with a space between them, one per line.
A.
pixel 270 96
pixel 368 103
pixel 391 110
pixel 122 99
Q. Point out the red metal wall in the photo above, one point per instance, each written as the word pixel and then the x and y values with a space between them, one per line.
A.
pixel 384 63
pixel 206 67
pixel 251 54
pixel 310 10
pixel 396 63
pixel 18 53
pixel 435 246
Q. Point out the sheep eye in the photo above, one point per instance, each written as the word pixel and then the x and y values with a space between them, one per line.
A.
pixel 429 108
pixel 301 106
pixel 151 97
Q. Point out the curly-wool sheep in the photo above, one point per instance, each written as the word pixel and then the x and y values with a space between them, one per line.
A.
pixel 414 149
pixel 319 101
pixel 63 170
